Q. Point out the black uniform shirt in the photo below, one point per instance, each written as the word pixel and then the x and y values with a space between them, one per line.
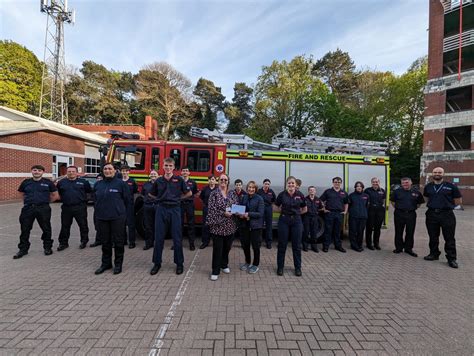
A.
pixel 358 203
pixel 333 200
pixel 132 185
pixel 376 197
pixel 146 189
pixel 36 192
pixel 407 199
pixel 205 194
pixel 290 204
pixel 314 205
pixel 241 197
pixel 192 187
pixel 169 191
pixel 74 192
pixel 112 197
pixel 268 196
pixel 441 196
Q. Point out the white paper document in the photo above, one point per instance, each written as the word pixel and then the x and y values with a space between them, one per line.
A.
pixel 237 209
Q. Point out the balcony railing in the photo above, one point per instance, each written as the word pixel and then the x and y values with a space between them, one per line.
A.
pixel 452 42
pixel 453 5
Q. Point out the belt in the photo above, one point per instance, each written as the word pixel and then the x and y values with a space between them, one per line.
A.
pixel 405 211
pixel 35 205
pixel 439 210
pixel 335 211
pixel 290 215
pixel 73 205
pixel 187 201
pixel 168 205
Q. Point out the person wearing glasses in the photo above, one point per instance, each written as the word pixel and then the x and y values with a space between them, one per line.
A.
pixel 442 198
pixel 222 225
pixel 336 204
pixel 169 190
pixel 291 204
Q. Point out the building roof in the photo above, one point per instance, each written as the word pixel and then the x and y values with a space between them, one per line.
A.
pixel 15 122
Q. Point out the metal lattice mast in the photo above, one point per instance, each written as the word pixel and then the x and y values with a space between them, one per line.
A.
pixel 52 104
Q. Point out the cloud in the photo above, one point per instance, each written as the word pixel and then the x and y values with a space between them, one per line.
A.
pixel 227 41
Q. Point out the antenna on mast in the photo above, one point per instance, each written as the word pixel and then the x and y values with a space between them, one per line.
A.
pixel 52 105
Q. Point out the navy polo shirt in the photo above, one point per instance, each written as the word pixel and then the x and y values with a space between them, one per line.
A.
pixel 334 201
pixel 407 199
pixel 358 203
pixel 205 194
pixel 290 204
pixel 241 197
pixel 268 196
pixel 112 197
pixel 192 186
pixel 73 192
pixel 132 186
pixel 441 196
pixel 36 192
pixel 146 189
pixel 314 205
pixel 376 197
pixel 169 191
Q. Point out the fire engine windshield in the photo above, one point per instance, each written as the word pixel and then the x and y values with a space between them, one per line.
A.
pixel 132 156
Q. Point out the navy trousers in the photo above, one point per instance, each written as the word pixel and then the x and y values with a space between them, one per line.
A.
pixel 268 219
pixel 168 218
pixel 332 223
pixel 289 227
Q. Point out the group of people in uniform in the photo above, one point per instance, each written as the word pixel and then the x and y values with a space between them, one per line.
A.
pixel 169 202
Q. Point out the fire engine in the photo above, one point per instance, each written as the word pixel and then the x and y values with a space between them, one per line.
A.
pixel 314 160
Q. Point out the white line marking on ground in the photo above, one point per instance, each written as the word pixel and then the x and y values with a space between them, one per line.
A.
pixel 156 349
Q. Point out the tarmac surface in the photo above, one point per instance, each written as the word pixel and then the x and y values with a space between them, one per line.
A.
pixel 368 303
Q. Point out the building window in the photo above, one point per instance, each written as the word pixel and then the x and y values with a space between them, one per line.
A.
pixel 199 160
pixel 457 138
pixel 459 99
pixel 92 165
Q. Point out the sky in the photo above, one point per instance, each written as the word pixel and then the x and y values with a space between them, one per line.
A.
pixel 227 41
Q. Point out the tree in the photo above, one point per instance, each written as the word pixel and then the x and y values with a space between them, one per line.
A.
pixel 99 95
pixel 211 100
pixel 338 71
pixel 20 78
pixel 164 92
pixel 289 98
pixel 240 112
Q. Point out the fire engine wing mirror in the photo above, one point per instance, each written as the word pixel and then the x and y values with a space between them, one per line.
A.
pixel 128 149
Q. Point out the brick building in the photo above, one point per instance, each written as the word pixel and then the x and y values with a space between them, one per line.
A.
pixel 449 95
pixel 26 140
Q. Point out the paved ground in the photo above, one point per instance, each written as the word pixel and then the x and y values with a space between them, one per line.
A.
pixel 373 302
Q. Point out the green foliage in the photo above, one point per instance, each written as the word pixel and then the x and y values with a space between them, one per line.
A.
pixel 337 70
pixel 163 92
pixel 99 95
pixel 20 78
pixel 240 112
pixel 288 98
pixel 211 100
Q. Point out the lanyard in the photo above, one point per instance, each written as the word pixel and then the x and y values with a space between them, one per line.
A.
pixel 437 190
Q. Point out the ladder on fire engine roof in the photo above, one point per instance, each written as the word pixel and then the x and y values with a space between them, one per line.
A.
pixel 233 141
pixel 280 142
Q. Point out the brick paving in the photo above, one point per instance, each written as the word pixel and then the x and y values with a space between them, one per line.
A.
pixel 369 303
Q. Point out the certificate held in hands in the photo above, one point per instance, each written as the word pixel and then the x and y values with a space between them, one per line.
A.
pixel 237 209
